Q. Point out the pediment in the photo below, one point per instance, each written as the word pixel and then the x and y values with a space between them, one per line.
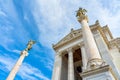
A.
pixel 73 34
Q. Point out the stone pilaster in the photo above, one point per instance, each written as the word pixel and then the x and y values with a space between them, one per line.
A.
pixel 70 64
pixel 17 66
pixel 106 54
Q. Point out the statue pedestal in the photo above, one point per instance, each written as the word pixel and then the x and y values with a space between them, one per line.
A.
pixel 102 73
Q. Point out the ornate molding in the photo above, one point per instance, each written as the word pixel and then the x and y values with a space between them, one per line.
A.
pixel 95 63
pixel 106 29
pixel 102 31
pixel 115 43
pixel 74 34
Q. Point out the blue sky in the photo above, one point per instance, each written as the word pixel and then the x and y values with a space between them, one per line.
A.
pixel 46 22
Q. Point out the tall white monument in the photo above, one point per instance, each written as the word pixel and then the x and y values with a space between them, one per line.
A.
pixel 24 53
pixel 90 53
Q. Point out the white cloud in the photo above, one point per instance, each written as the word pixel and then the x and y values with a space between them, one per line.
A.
pixel 26 70
pixel 106 14
pixel 26 17
pixel 2 13
pixel 7 62
pixel 5 35
pixel 16 51
pixel 52 21
pixel 48 63
pixel 54 18
pixel 8 19
pixel 9 9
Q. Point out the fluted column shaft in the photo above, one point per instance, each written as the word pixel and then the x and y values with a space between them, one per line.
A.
pixel 17 66
pixel 70 65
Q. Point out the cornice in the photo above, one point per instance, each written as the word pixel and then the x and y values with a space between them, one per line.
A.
pixel 105 28
pixel 115 42
pixel 103 34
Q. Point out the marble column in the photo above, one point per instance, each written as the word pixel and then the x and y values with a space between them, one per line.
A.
pixel 84 57
pixel 17 65
pixel 57 67
pixel 70 64
pixel 94 58
pixel 89 41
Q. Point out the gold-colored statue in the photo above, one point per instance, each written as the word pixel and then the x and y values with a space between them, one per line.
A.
pixel 81 12
pixel 29 45
pixel 81 15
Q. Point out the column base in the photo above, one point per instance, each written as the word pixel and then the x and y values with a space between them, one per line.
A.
pixel 101 73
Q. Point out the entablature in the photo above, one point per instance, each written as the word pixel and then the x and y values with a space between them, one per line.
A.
pixel 115 43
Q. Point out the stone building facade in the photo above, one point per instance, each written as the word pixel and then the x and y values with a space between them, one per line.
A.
pixel 72 56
